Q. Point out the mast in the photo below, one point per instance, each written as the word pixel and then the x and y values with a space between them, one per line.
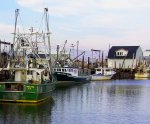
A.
pixel 98 56
pixel 16 19
pixel 48 36
pixel 57 52
pixel 47 26
pixel 77 53
pixel 102 59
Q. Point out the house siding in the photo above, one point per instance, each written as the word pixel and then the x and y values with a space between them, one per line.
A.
pixel 120 63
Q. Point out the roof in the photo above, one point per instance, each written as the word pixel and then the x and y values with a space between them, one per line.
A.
pixel 43 56
pixel 131 50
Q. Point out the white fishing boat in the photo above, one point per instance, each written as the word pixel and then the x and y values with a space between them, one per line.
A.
pixel 102 73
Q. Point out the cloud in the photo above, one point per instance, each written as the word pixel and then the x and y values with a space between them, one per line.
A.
pixel 57 8
pixel 6 32
pixel 101 22
pixel 72 7
pixel 91 13
pixel 30 3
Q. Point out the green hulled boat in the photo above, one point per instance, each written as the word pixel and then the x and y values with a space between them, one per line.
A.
pixel 27 74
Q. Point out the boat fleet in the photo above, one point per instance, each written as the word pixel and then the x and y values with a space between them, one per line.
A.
pixel 28 74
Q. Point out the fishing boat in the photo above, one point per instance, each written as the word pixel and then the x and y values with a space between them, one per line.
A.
pixel 28 77
pixel 102 73
pixel 67 70
pixel 70 75
pixel 143 72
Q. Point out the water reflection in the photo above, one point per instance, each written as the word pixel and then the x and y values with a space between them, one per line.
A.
pixel 111 102
pixel 22 113
pixel 103 102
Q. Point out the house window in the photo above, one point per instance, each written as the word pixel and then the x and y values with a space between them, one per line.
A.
pixel 119 54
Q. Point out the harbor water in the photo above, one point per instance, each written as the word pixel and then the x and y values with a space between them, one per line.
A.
pixel 103 102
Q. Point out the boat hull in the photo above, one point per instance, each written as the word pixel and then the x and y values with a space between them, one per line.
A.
pixel 102 77
pixel 142 75
pixel 64 78
pixel 32 93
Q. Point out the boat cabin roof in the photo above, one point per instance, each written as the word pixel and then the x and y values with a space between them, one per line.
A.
pixel 104 68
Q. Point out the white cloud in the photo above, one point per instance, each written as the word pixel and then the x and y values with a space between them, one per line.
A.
pixel 91 14
pixel 72 7
pixel 29 3
pixel 6 32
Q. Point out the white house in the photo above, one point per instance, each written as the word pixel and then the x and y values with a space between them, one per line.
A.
pixel 124 56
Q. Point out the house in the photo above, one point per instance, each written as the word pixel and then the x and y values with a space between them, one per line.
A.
pixel 146 55
pixel 125 56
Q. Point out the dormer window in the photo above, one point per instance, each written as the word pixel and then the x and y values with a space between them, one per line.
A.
pixel 121 52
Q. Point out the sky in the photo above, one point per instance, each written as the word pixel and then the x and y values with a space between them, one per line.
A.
pixel 96 24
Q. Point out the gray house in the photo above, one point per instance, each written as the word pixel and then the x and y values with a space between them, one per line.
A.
pixel 125 56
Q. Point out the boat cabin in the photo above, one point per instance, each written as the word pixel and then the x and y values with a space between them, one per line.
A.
pixel 69 71
pixel 105 71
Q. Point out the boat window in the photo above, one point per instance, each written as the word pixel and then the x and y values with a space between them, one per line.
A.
pixel 107 69
pixel 54 69
pixel 62 70
pixel 65 70
pixel 29 72
pixel 75 70
pixel 59 69
pixel 70 70
pixel 7 86
pixel 98 70
pixel 14 87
